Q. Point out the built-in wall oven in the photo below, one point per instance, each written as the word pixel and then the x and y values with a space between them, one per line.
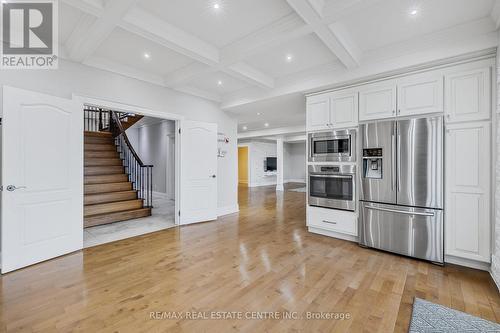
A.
pixel 332 146
pixel 332 186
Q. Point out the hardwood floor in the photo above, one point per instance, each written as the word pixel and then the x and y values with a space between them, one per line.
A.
pixel 262 259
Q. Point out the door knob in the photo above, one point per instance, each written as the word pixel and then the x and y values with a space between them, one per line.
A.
pixel 12 188
pixel 213 176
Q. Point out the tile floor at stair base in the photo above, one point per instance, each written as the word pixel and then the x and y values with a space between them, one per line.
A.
pixel 162 218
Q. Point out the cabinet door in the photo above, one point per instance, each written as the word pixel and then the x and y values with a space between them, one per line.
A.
pixel 377 101
pixel 420 94
pixel 344 109
pixel 468 179
pixel 468 95
pixel 318 112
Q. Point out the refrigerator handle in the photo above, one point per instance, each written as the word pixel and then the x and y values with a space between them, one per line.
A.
pixel 398 166
pixel 393 161
pixel 400 211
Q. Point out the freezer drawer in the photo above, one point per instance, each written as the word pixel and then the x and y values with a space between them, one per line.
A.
pixel 414 232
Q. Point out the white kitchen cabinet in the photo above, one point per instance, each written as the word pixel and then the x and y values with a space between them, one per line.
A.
pixel 318 112
pixel 420 94
pixel 377 100
pixel 344 109
pixel 468 190
pixel 468 95
pixel 340 221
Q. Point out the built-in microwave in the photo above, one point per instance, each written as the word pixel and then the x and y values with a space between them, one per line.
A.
pixel 332 186
pixel 332 146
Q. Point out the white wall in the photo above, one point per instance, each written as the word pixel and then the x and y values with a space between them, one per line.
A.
pixel 150 142
pixel 295 162
pixel 257 153
pixel 83 80
pixel 495 264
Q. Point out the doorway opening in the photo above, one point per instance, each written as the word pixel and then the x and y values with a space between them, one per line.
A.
pixel 129 175
pixel 243 165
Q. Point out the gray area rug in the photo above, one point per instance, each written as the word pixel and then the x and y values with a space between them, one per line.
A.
pixel 300 189
pixel 429 317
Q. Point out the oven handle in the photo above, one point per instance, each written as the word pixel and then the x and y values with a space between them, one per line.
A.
pixel 330 176
pixel 399 211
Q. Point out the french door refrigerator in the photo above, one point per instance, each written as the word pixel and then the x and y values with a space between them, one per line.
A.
pixel 401 196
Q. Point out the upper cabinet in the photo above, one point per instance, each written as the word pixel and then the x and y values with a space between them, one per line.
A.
pixel 318 112
pixel 332 110
pixel 468 95
pixel 377 100
pixel 420 94
pixel 344 108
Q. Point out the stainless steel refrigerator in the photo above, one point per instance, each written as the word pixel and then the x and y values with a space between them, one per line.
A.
pixel 401 208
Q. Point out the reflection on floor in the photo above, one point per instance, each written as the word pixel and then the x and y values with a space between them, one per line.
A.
pixel 162 218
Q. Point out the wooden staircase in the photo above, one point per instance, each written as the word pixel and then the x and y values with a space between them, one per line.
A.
pixel 109 195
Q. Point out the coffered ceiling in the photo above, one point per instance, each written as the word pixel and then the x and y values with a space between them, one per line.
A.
pixel 259 56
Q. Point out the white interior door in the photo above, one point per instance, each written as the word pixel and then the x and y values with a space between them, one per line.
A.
pixel 42 174
pixel 198 172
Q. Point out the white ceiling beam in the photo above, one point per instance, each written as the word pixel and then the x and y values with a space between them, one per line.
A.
pixel 272 132
pixel 88 37
pixel 337 45
pixel 144 24
pixel 250 75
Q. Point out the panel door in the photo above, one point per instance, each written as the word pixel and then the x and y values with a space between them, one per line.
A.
pixel 42 197
pixel 198 172
pixel 318 112
pixel 377 100
pixel 468 95
pixel 344 109
pixel 468 189
pixel 420 94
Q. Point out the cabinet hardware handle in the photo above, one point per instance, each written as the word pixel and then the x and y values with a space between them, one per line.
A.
pixel 326 221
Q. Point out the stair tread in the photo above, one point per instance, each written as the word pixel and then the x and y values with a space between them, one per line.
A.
pixel 112 207
pixel 116 217
pixel 120 212
pixel 98 134
pixel 114 203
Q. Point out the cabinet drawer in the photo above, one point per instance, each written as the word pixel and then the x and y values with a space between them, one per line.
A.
pixel 332 219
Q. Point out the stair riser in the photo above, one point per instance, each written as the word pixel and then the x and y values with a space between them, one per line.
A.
pixel 106 188
pixel 99 147
pixel 105 179
pixel 103 162
pixel 109 197
pixel 103 170
pixel 112 207
pixel 88 134
pixel 116 217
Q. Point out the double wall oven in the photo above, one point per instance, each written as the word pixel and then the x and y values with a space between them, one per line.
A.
pixel 333 186
pixel 332 146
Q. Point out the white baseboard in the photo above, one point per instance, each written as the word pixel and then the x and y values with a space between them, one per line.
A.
pixel 333 234
pixel 295 180
pixel 226 210
pixel 160 195
pixel 497 282
pixel 483 266
pixel 261 184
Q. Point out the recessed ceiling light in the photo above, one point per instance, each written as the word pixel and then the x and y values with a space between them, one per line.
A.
pixel 266 124
pixel 147 55
pixel 258 113
pixel 219 83
pixel 413 12
pixel 216 6
pixel 289 57
pixel 245 128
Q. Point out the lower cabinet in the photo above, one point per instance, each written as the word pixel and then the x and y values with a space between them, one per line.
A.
pixel 468 191
pixel 338 221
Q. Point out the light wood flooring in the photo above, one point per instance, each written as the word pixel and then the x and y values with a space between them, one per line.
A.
pixel 262 259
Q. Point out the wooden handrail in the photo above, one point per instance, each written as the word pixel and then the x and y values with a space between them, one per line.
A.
pixel 120 131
